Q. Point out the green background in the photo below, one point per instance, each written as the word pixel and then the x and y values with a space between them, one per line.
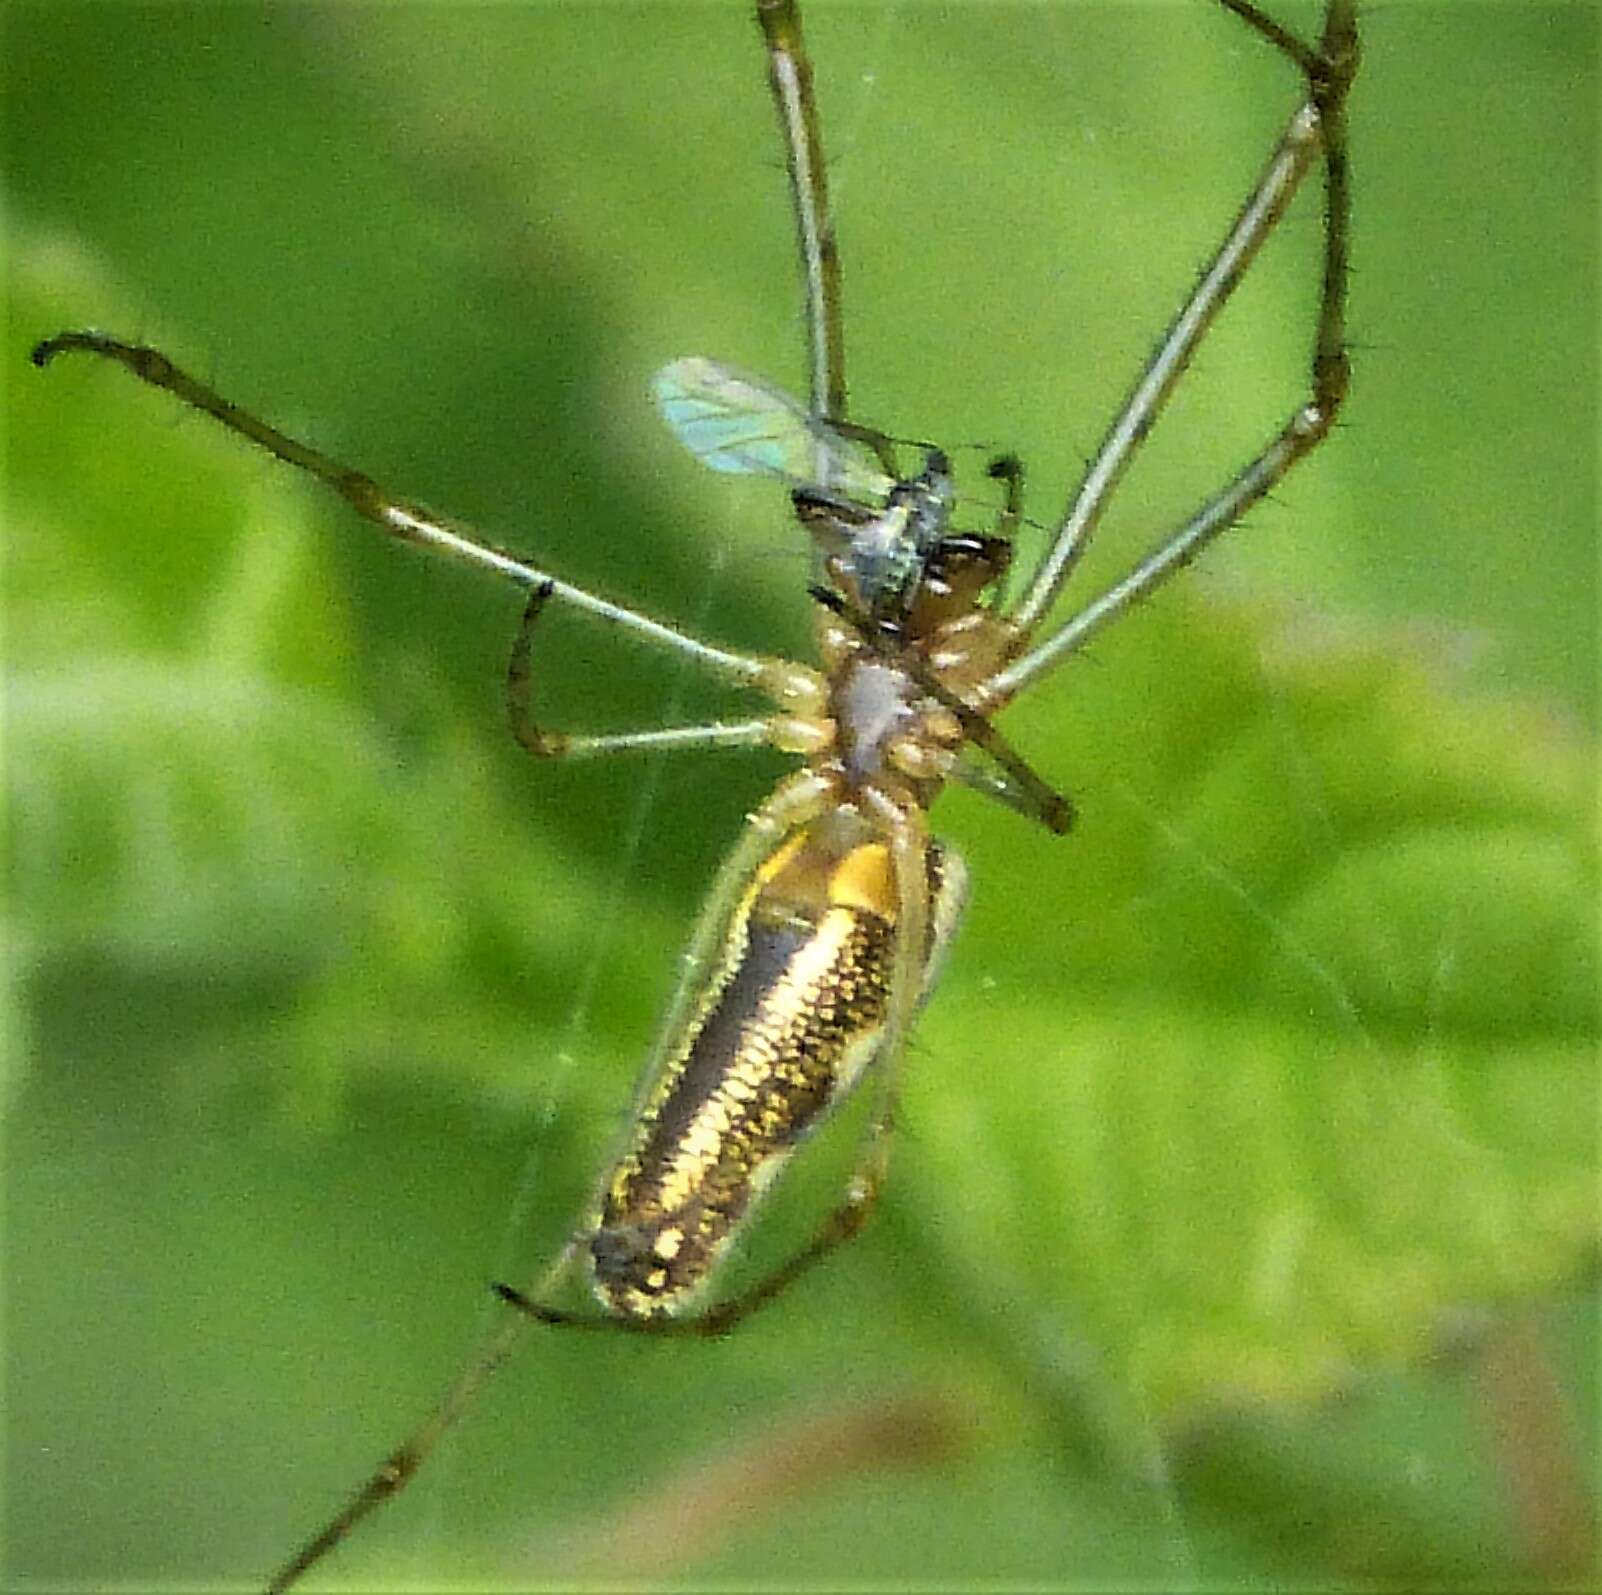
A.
pixel 326 1002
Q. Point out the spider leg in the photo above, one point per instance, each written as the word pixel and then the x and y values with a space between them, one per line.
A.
pixel 1000 786
pixel 791 733
pixel 406 521
pixel 793 803
pixel 790 77
pixel 1319 125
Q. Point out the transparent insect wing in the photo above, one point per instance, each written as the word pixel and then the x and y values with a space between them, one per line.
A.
pixel 736 423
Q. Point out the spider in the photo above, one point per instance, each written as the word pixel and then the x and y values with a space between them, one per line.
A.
pixel 826 924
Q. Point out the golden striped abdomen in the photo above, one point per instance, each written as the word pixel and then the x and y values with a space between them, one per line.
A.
pixel 790 1016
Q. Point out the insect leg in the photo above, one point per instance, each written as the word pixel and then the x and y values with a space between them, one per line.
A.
pixel 1318 125
pixel 1008 470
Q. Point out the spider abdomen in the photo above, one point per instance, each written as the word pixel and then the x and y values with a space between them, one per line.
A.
pixel 790 1016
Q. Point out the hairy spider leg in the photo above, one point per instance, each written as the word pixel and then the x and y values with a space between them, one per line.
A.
pixel 1318 125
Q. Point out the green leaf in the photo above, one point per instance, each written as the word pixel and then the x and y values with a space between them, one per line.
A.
pixel 330 1003
pixel 1328 1068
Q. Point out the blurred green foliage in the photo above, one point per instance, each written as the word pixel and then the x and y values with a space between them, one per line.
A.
pixel 325 1004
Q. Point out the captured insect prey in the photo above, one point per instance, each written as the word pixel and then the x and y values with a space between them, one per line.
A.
pixel 828 922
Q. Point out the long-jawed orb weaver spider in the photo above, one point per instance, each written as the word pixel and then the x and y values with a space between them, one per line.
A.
pixel 826 923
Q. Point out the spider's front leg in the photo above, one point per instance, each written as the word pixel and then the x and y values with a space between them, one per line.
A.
pixel 410 522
